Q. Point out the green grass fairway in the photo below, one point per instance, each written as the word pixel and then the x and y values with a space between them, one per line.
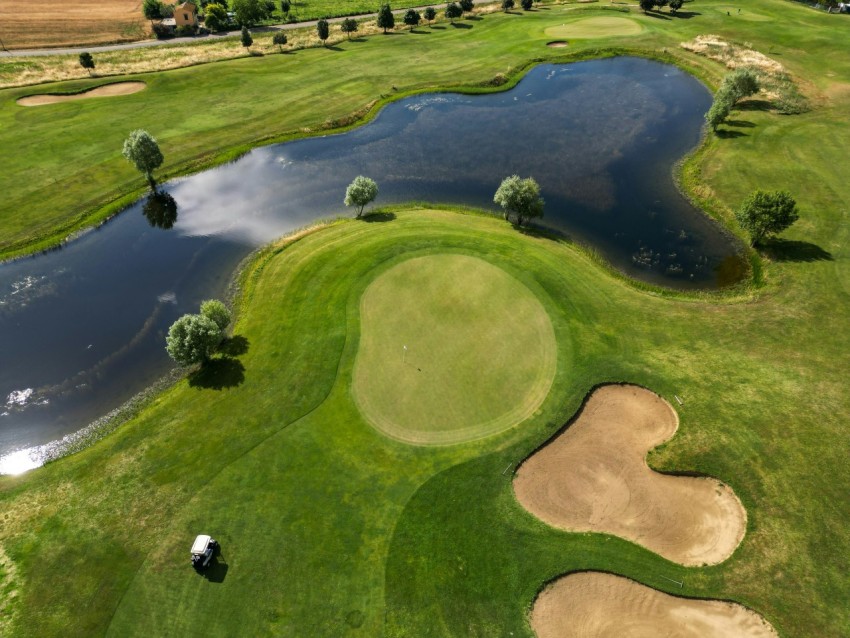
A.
pixel 480 350
pixel 601 27
pixel 330 528
pixel 745 13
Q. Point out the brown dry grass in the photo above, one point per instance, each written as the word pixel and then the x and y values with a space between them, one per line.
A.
pixel 28 24
pixel 23 71
pixel 596 605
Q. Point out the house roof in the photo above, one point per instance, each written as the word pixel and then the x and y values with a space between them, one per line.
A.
pixel 186 6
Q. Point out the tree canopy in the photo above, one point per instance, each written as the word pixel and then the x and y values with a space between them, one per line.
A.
pixel 249 12
pixel 217 311
pixel 215 17
pixel 430 13
pixel 766 213
pixel 279 39
pixel 360 192
pixel 348 26
pixel 323 30
pixel 142 150
pixel 192 339
pixel 87 61
pixel 246 38
pixel 412 17
pixel 152 9
pixel 386 19
pixel 453 11
pixel 519 198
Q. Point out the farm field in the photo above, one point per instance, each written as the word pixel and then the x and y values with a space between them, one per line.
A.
pixel 35 24
pixel 332 523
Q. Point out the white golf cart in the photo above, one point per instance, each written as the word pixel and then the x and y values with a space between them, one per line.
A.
pixel 203 550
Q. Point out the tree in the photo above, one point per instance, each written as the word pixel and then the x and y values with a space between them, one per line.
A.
pixel 249 12
pixel 526 4
pixel 361 192
pixel 429 14
pixel 246 38
pixel 152 10
pixel 386 19
pixel 740 83
pixel 218 312
pixel 661 4
pixel 87 61
pixel 215 17
pixel 160 210
pixel 453 11
pixel 507 5
pixel 142 150
pixel 349 26
pixel 675 5
pixel 192 339
pixel 646 5
pixel 412 18
pixel 466 5
pixel 520 197
pixel 285 6
pixel 766 213
pixel 279 39
pixel 719 111
pixel 323 30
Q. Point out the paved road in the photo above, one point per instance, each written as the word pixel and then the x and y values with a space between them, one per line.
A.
pixel 17 53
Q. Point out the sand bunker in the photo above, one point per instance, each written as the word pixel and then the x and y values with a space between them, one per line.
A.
pixel 557 44
pixel 595 28
pixel 593 477
pixel 595 605
pixel 107 90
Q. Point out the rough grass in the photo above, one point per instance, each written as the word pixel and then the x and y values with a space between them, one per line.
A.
pixel 329 528
pixel 30 24
pixel 452 349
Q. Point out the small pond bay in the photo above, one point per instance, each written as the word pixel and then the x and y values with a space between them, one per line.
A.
pixel 82 329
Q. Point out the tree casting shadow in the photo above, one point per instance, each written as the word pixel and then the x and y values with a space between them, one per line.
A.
pixel 790 250
pixel 218 374
pixel 686 15
pixel 727 134
pixel 740 124
pixel 653 14
pixel 235 346
pixel 378 218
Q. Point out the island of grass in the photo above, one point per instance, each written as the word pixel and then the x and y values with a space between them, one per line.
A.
pixel 330 527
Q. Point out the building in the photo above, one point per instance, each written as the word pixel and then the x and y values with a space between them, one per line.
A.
pixel 186 14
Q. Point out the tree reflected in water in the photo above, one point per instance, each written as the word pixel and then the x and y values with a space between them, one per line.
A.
pixel 160 210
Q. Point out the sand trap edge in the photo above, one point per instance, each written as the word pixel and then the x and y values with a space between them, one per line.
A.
pixel 555 579
pixel 112 89
pixel 685 474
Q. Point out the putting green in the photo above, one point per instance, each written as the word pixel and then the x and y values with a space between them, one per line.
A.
pixel 480 357
pixel 587 28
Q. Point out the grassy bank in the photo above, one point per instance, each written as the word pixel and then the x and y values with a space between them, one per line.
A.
pixel 67 171
pixel 330 528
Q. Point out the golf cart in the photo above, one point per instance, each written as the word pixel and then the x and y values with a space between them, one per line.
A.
pixel 203 550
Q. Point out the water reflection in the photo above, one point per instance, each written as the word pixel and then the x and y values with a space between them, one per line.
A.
pixel 160 210
pixel 83 328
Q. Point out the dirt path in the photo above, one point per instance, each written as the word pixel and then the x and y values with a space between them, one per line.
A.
pixel 596 605
pixel 107 90
pixel 593 477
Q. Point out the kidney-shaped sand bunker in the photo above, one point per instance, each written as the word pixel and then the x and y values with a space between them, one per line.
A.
pixel 593 477
pixel 596 605
pixel 452 348
pixel 106 90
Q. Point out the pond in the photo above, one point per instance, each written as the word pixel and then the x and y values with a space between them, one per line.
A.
pixel 82 328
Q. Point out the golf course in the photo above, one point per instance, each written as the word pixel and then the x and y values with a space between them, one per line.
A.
pixel 429 422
